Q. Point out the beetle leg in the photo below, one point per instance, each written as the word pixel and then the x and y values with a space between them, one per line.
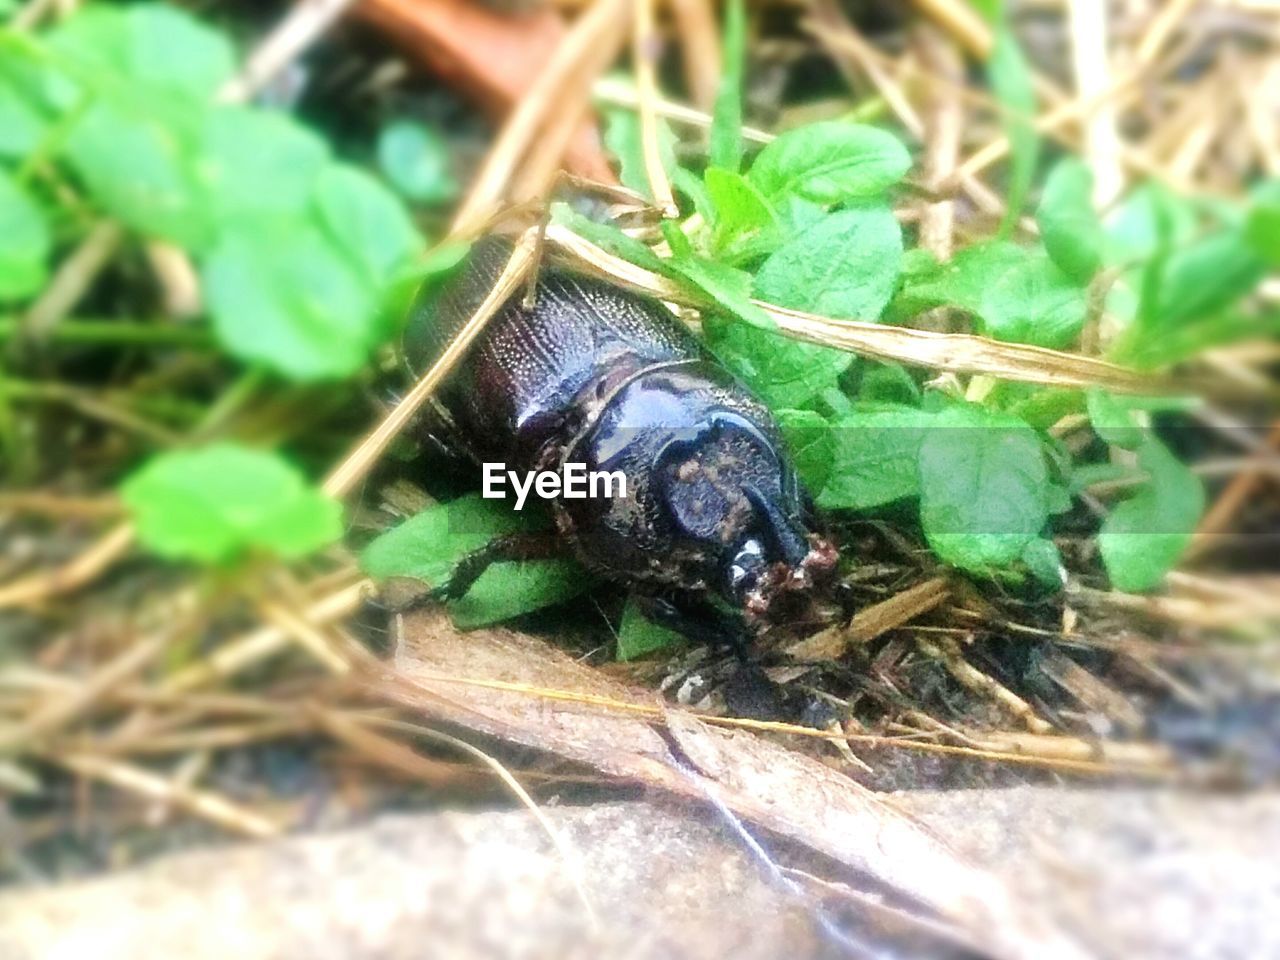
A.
pixel 510 547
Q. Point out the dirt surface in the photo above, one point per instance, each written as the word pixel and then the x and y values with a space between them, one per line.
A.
pixel 1131 874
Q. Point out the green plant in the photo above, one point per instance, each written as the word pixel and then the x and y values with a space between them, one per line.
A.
pixel 808 224
pixel 296 249
pixel 217 504
pixel 115 113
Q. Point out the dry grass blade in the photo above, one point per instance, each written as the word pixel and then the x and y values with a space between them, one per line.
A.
pixel 585 51
pixel 695 22
pixel 619 93
pixel 74 277
pixel 962 22
pixel 202 803
pixel 303 25
pixel 61 710
pixel 84 568
pixel 1237 493
pixel 310 637
pixel 643 52
pixel 954 352
pixel 949 652
pixel 359 461
pixel 244 651
pixel 759 780
pixel 873 621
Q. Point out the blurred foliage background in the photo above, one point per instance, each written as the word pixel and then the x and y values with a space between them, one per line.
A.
pixel 1026 257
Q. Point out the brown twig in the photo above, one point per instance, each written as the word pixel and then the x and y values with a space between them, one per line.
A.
pixel 83 569
pixel 209 806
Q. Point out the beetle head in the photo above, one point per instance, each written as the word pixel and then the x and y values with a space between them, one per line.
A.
pixel 728 487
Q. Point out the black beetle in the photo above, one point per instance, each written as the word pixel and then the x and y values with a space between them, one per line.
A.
pixel 593 374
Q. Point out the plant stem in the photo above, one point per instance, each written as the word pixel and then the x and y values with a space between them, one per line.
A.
pixel 115 333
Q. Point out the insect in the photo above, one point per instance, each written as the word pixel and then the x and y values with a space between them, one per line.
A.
pixel 715 534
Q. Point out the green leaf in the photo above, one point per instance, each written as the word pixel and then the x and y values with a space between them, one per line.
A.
pixel 24 242
pixel 26 105
pixel 983 489
pixel 608 238
pixel 286 297
pixel 888 383
pixel 963 281
pixel 746 225
pixel 811 442
pixel 256 163
pixel 845 266
pixel 367 221
pixel 214 504
pixel 783 371
pixel 1044 562
pixel 726 287
pixel 1150 218
pixel 152 45
pixel 415 159
pixel 1262 228
pixel 639 636
pixel 876 458
pixel 1142 538
pixel 1070 229
pixel 508 590
pixel 622 137
pixel 1017 293
pixel 429 544
pixel 133 154
pixel 830 162
pixel 1010 80
pixel 1112 420
pixel 726 124
pixel 1201 279
pixel 1033 302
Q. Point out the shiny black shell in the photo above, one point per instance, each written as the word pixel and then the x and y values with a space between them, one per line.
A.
pixel 594 374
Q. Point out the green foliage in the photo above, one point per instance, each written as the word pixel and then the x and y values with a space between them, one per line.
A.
pixel 508 590
pixel 286 297
pixel 745 225
pixel 1070 229
pixel 308 264
pixel 638 635
pixel 844 266
pixel 299 252
pixel 875 457
pixel 830 162
pixel 256 164
pixel 415 160
pixel 429 545
pixel 622 137
pixel 722 285
pixel 1262 227
pixel 215 504
pixel 1143 537
pixel 726 127
pixel 983 488
pixel 26 97
pixel 1016 293
pixel 1010 79
pixel 24 242
pixel 159 47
